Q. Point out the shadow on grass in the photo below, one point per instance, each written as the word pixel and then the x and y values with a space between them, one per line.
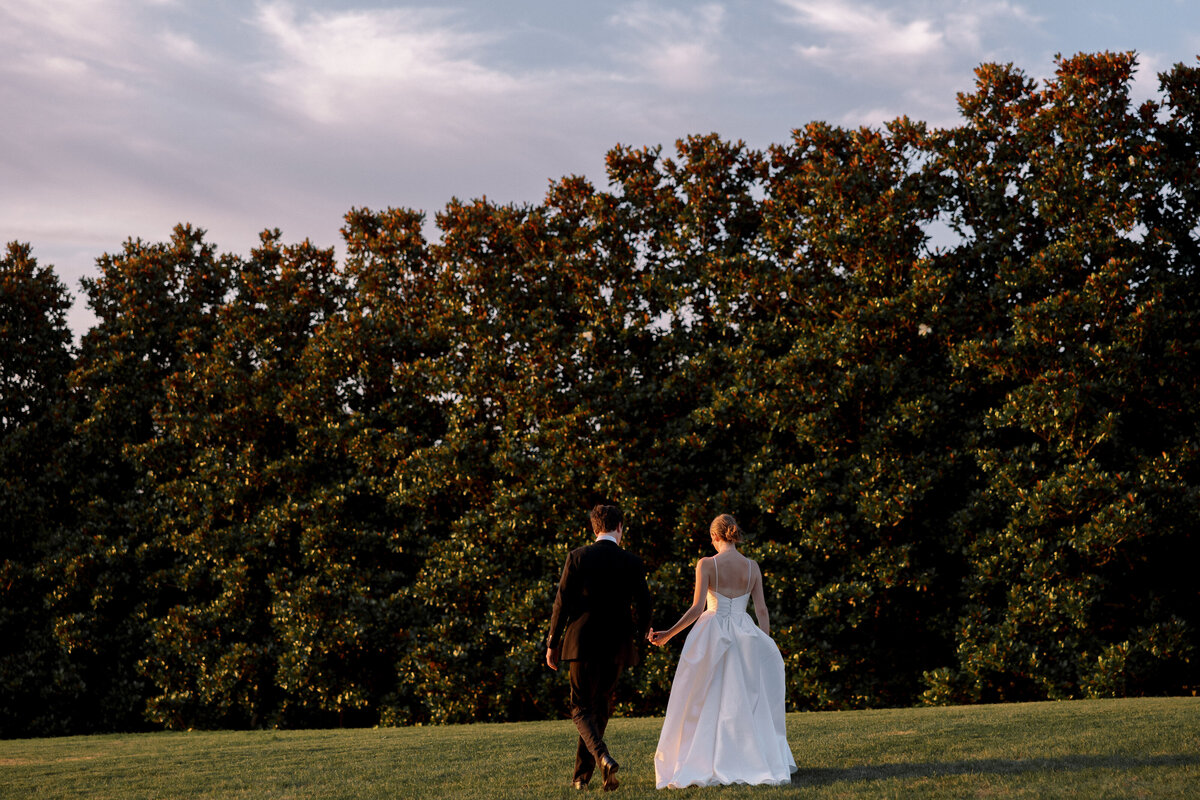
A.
pixel 824 776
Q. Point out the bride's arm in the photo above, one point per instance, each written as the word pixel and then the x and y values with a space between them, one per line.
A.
pixel 760 602
pixel 692 614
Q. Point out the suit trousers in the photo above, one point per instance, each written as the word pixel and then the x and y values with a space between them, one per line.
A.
pixel 592 687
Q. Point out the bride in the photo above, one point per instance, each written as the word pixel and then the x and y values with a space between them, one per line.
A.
pixel 725 717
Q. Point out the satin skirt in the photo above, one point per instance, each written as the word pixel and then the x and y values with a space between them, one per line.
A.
pixel 725 718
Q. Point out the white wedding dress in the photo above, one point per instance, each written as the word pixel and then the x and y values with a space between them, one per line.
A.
pixel 725 717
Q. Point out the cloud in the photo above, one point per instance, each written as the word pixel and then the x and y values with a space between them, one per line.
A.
pixel 127 116
pixel 413 65
pixel 117 125
pixel 859 35
pixel 89 60
pixel 868 117
pixel 675 50
pixel 866 32
pixel 182 48
pixel 912 56
pixel 969 28
pixel 118 40
pixel 70 45
pixel 73 70
pixel 82 22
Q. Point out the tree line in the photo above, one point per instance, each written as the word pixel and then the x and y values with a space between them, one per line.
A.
pixel 946 377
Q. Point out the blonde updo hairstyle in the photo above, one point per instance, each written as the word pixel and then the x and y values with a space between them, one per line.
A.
pixel 725 529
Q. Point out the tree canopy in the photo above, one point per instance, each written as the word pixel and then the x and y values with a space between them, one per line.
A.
pixel 947 378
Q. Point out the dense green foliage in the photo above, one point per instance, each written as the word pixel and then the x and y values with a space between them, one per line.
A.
pixel 948 378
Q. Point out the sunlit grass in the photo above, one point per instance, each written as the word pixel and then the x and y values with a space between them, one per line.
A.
pixel 1091 749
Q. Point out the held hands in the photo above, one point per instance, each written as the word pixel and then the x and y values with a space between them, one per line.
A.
pixel 657 638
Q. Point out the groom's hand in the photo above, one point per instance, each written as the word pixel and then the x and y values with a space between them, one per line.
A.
pixel 552 657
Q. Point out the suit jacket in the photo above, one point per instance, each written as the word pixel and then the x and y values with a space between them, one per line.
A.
pixel 602 609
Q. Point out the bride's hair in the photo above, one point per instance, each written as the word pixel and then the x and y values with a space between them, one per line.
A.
pixel 725 529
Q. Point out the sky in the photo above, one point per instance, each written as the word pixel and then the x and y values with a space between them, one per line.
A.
pixel 122 118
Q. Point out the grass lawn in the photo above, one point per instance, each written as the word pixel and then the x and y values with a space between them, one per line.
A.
pixel 1089 749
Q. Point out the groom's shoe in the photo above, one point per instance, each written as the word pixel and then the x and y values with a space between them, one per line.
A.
pixel 609 767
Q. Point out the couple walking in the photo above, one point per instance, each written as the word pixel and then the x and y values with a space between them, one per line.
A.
pixel 725 716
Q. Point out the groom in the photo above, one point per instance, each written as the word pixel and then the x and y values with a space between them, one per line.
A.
pixel 601 613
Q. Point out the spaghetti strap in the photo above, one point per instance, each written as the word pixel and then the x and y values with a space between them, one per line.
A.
pixel 715 579
pixel 749 573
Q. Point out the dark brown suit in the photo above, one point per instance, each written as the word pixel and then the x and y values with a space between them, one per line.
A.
pixel 601 614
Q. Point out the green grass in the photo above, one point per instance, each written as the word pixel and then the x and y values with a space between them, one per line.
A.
pixel 1088 749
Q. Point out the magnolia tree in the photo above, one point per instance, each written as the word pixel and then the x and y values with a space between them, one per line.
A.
pixel 947 378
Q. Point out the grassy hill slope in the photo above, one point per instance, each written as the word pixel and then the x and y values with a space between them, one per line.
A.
pixel 1092 749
